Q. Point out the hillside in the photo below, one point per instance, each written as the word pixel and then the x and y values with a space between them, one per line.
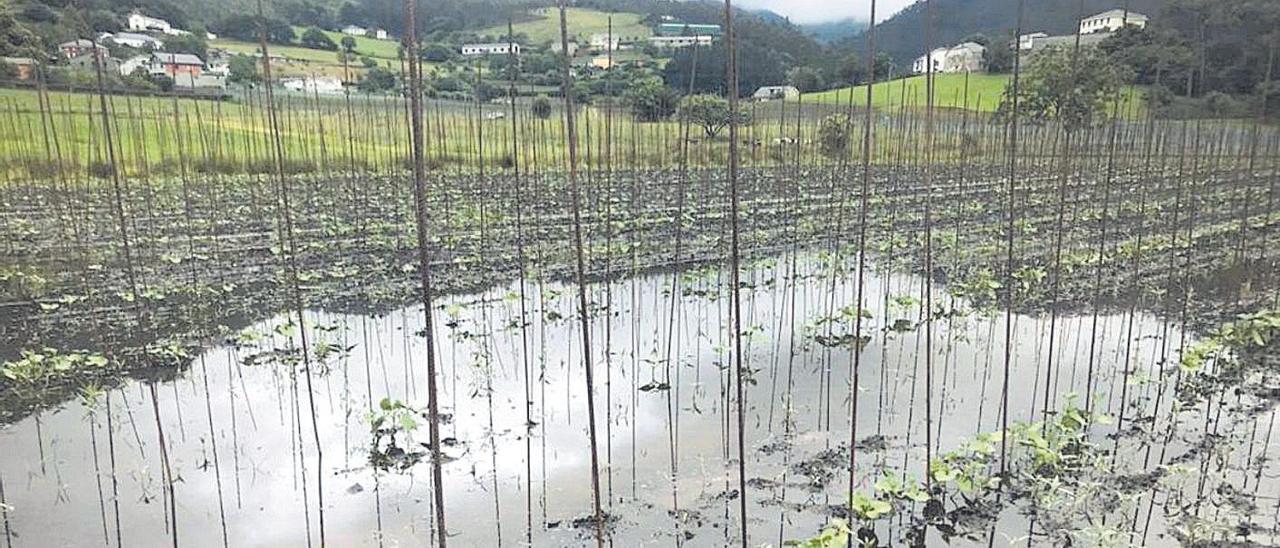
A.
pixel 834 31
pixel 545 27
pixel 903 35
pixel 984 92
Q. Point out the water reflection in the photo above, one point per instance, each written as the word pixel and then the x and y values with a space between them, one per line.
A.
pixel 240 439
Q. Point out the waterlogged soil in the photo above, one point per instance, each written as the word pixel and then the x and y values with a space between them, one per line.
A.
pixel 206 255
pixel 239 435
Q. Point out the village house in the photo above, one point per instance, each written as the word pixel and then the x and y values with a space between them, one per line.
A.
pixel 1067 41
pixel 138 22
pixel 380 34
pixel 218 63
pixel 25 67
pixel 573 47
pixel 354 30
pixel 687 29
pixel 1112 20
pixel 132 64
pixel 87 63
pixel 1093 31
pixel 1027 41
pixel 769 93
pixel 966 57
pixel 676 42
pixel 605 42
pixel 133 40
pixel 325 85
pixel 495 48
pixel 76 48
pixel 177 65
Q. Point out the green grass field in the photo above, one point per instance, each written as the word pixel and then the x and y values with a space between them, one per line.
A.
pixel 308 62
pixel 292 52
pixel 365 46
pixel 978 92
pixel 984 92
pixel 584 22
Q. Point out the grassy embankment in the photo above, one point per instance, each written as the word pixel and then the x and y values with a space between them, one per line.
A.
pixel 301 61
pixel 979 92
pixel 233 137
pixel 545 27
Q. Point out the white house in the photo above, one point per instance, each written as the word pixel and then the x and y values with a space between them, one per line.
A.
pixel 556 47
pixel 380 34
pixel 605 42
pixel 966 57
pixel 133 40
pixel 1027 41
pixel 218 63
pixel 132 64
pixel 1066 41
pixel 768 93
pixel 326 85
pixel 495 48
pixel 141 23
pixel 76 48
pixel 1111 21
pixel 680 41
pixel 354 30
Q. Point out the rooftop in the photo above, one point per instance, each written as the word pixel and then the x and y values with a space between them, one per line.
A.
pixel 1132 15
pixel 178 59
pixel 81 43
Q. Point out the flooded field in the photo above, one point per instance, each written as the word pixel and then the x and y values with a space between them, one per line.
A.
pixel 482 323
pixel 240 434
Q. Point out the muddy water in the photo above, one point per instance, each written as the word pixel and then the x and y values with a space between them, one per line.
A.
pixel 240 438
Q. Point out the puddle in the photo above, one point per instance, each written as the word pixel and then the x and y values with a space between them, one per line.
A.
pixel 241 442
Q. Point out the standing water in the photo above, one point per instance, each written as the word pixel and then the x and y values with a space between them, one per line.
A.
pixel 236 418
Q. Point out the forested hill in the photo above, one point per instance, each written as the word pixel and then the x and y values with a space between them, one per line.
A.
pixel 903 35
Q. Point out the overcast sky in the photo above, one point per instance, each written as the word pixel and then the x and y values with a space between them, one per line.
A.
pixel 820 11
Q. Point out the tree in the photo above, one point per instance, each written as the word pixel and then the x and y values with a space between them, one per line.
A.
pixel 541 107
pixel 806 79
pixel 37 12
pixel 437 53
pixel 833 135
pixel 189 43
pixel 883 67
pixel 243 70
pixel 378 80
pixel 307 14
pixel 103 21
pixel 245 27
pixel 352 14
pixel 163 82
pixel 315 38
pixel 758 67
pixel 1052 90
pixel 850 70
pixel 998 59
pixel 348 44
pixel 710 112
pixel 651 101
pixel 15 38
pixel 1151 55
pixel 978 38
